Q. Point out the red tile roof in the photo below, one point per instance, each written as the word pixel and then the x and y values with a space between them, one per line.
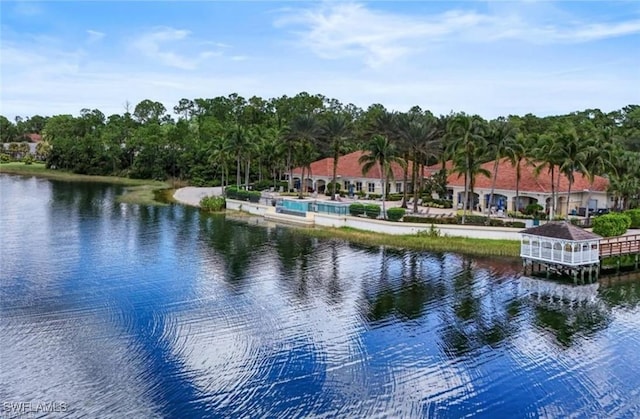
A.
pixel 33 137
pixel 529 182
pixel 349 167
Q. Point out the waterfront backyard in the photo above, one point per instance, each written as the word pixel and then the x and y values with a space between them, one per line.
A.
pixel 130 310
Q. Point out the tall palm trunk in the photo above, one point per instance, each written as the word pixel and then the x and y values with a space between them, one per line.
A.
pixel 301 192
pixel 404 183
pixel 466 196
pixel 589 199
pixel 246 174
pixel 335 174
pixel 414 180
pixel 553 194
pixel 557 203
pixel 383 179
pixel 517 203
pixel 493 188
pixel 568 197
pixel 238 172
pixel 290 169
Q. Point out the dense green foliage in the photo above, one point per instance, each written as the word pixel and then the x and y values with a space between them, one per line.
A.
pixel 609 225
pixel 469 220
pixel 395 214
pixel 232 140
pixel 233 192
pixel 356 209
pixel 372 210
pixel 212 203
pixel 634 215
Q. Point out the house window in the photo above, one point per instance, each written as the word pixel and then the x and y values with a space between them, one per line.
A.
pixel 371 187
pixel 398 187
pixel 358 186
pixel 346 185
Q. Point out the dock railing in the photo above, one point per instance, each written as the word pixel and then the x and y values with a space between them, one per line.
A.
pixel 621 245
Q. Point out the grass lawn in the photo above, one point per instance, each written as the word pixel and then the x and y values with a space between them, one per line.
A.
pixel 137 191
pixel 478 247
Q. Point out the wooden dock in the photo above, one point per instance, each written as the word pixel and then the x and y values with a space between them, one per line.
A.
pixel 620 246
pixel 617 249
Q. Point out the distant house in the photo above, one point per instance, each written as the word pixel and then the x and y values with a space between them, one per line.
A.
pixel 33 137
pixel 349 176
pixel 532 189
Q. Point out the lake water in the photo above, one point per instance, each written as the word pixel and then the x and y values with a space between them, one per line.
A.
pixel 119 310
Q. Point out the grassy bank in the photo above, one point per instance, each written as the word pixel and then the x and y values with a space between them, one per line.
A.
pixel 477 247
pixel 137 191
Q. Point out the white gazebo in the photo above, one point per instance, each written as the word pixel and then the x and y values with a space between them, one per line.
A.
pixel 560 247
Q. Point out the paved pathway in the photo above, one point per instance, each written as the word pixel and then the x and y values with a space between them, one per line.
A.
pixel 192 195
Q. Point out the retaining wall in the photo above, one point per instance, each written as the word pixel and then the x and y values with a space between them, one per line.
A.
pixel 327 220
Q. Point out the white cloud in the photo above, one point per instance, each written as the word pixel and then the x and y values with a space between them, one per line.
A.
pixel 337 30
pixel 94 36
pixel 27 8
pixel 161 44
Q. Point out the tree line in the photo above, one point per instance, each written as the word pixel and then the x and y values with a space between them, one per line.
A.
pixel 233 140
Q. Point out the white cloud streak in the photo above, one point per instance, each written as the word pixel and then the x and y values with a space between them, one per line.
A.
pixel 94 36
pixel 161 45
pixel 338 30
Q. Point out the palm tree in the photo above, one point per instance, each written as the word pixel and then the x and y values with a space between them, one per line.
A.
pixel 518 152
pixel 240 142
pixel 573 157
pixel 501 143
pixel 599 156
pixel 336 130
pixel 272 150
pixel 220 154
pixel 421 136
pixel 547 153
pixel 381 152
pixel 305 131
pixel 466 142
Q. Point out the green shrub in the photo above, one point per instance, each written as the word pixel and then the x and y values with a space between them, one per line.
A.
pixel 433 232
pixel 212 203
pixel 533 209
pixel 231 192
pixel 262 185
pixel 372 210
pixel 375 196
pixel 518 214
pixel 428 201
pixel 515 224
pixel 5 158
pixel 476 220
pixel 253 196
pixel 327 189
pixel 395 197
pixel 496 222
pixel 395 214
pixel 634 215
pixel 198 181
pixel 242 195
pixel 28 158
pixel 429 220
pixel 356 209
pixel 609 225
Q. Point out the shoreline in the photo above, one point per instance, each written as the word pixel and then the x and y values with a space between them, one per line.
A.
pixel 136 191
pixel 140 191
pixel 469 246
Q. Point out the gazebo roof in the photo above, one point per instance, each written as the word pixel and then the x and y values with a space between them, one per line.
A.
pixel 561 230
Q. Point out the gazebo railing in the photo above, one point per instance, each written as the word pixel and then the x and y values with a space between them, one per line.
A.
pixel 555 255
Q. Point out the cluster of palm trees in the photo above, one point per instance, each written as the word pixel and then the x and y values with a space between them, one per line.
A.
pixel 263 140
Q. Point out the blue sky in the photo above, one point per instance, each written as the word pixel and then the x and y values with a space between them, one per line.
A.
pixel 487 57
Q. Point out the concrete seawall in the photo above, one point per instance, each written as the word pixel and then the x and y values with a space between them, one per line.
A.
pixel 312 219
